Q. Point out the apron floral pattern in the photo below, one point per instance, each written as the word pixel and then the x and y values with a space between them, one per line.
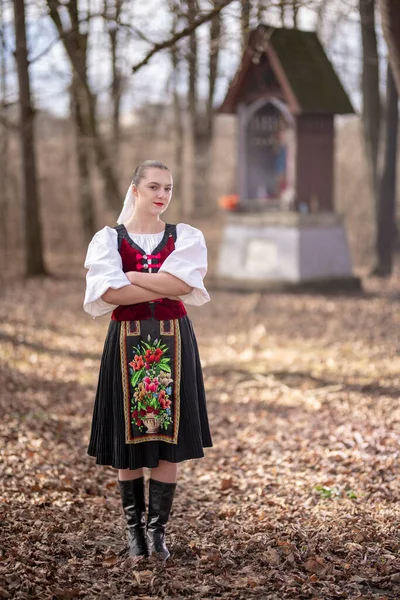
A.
pixel 150 362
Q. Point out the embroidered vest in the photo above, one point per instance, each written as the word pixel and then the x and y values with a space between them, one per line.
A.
pixel 134 258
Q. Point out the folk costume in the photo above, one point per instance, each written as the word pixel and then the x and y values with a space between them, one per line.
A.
pixel 150 402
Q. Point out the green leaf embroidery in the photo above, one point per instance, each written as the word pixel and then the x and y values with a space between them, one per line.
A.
pixel 136 376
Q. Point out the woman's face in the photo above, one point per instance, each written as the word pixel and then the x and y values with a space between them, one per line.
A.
pixel 154 191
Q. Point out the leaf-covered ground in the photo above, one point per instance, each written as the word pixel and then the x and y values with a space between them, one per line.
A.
pixel 298 498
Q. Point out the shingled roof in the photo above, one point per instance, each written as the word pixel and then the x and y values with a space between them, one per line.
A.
pixel 306 76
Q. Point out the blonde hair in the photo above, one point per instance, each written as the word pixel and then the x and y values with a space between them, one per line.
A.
pixel 147 164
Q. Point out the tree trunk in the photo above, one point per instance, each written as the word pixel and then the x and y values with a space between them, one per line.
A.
pixel 34 261
pixel 207 137
pixel 215 34
pixel 282 7
pixel 321 15
pixel 192 60
pixel 116 84
pixel 245 22
pixel 202 125
pixel 390 19
pixel 296 10
pixel 4 150
pixel 370 89
pixel 75 44
pixel 83 147
pixel 196 126
pixel 178 128
pixel 387 192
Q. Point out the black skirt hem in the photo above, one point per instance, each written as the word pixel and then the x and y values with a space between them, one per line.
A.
pixel 107 461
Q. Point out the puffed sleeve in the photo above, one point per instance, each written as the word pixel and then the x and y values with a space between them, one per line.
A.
pixel 105 271
pixel 189 262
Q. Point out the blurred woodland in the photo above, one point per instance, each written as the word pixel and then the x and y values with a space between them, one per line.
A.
pixel 298 498
pixel 107 87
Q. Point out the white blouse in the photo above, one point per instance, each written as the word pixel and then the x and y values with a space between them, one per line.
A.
pixel 188 262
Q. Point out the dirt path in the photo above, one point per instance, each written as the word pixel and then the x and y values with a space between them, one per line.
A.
pixel 298 498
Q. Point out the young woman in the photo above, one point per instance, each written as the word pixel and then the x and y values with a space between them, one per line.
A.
pixel 150 406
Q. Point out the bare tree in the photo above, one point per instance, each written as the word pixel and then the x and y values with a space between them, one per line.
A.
pixel 321 14
pixel 282 9
pixel 295 12
pixel 390 19
pixel 81 119
pixel 215 42
pixel 202 124
pixel 291 8
pixel 75 44
pixel 370 88
pixel 245 6
pixel 113 11
pixel 387 192
pixel 4 146
pixel 184 33
pixel 197 128
pixel 34 260
pixel 83 147
pixel 178 123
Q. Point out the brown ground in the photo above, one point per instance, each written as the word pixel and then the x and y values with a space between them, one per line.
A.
pixel 297 499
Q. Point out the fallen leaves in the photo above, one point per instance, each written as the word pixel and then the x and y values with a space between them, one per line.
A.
pixel 298 498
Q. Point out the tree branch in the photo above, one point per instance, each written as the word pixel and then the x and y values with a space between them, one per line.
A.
pixel 178 36
pixel 74 28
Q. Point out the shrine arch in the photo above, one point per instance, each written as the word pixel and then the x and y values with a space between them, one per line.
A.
pixel 267 150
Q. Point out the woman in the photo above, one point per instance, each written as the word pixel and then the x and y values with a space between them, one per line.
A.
pixel 150 407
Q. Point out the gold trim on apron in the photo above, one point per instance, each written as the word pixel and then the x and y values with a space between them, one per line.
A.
pixel 151 374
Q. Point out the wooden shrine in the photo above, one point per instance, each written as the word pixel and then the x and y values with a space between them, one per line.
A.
pixel 285 95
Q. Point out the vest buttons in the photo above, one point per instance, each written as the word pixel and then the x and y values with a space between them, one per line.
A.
pixel 145 266
pixel 144 256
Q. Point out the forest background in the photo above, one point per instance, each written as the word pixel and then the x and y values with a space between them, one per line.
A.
pixel 96 112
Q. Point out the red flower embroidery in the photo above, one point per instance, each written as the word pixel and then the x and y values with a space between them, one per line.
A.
pixel 150 378
pixel 137 363
pixel 153 357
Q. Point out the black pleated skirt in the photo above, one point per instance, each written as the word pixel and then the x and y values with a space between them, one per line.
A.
pixel 107 440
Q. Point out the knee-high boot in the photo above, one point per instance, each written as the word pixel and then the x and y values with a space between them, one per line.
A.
pixel 161 496
pixel 132 497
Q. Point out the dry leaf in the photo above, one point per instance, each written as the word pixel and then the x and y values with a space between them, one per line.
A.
pixel 226 484
pixel 110 561
pixel 314 565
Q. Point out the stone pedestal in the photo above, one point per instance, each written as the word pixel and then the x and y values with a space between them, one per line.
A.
pixel 262 250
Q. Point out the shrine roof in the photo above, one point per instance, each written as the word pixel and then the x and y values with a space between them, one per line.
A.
pixel 307 78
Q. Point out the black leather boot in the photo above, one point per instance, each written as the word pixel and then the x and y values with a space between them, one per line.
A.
pixel 132 497
pixel 161 496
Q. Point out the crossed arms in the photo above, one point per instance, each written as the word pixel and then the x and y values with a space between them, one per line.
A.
pixel 145 287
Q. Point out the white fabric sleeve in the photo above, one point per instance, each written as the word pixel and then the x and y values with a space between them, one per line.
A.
pixel 188 262
pixel 105 271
